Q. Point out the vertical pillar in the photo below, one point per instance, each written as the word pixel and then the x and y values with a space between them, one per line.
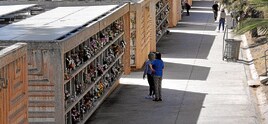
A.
pixel 190 2
pixel 153 16
pixel 179 10
pixel 148 25
pixel 126 57
pixel 56 71
pixel 25 80
pixel 173 12
pixel 139 39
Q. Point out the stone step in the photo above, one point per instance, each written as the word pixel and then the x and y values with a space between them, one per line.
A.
pixel 41 117
pixel 36 76
pixel 41 94
pixel 264 79
pixel 42 98
pixel 41 88
pixel 41 120
pixel 42 104
pixel 40 82
pixel 33 70
pixel 41 109
pixel 253 83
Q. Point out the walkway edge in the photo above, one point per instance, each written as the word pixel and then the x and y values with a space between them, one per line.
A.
pixel 262 104
pixel 261 98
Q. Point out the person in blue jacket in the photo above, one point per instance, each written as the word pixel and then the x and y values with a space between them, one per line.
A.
pixel 157 67
pixel 148 72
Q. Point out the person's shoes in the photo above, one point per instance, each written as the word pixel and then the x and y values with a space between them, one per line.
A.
pixel 156 100
pixel 149 97
pixel 160 99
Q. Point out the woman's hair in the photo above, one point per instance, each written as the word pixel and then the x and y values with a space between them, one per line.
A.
pixel 222 10
pixel 158 55
pixel 151 56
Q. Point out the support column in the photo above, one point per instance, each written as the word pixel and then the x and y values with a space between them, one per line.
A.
pixel 179 10
pixel 126 57
pixel 153 16
pixel 190 2
pixel 173 12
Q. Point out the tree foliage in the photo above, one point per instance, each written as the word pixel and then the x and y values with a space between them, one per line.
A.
pixel 252 14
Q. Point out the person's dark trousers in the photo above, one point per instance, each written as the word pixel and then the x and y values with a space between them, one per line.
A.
pixel 215 15
pixel 221 23
pixel 188 7
pixel 150 79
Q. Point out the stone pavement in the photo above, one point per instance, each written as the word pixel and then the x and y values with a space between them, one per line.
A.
pixel 198 86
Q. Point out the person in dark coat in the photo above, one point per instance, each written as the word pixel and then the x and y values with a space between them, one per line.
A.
pixel 215 8
pixel 187 7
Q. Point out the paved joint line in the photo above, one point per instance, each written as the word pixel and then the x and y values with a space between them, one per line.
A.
pixel 192 68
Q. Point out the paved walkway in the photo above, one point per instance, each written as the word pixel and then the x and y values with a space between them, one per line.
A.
pixel 198 87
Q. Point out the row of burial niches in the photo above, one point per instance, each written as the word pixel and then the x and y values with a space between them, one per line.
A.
pixel 133 38
pixel 91 69
pixel 162 12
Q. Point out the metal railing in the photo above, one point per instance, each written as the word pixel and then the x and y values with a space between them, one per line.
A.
pixel 225 36
pixel 266 63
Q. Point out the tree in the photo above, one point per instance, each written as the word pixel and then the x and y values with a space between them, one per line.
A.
pixel 253 23
pixel 257 18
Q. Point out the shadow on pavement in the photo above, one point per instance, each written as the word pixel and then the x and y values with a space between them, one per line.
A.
pixel 203 8
pixel 127 105
pixel 198 17
pixel 177 71
pixel 187 72
pixel 178 45
pixel 203 3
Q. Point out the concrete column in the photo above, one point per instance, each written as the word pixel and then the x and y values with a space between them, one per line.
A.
pixel 126 56
pixel 173 12
pixel 179 10
pixel 153 16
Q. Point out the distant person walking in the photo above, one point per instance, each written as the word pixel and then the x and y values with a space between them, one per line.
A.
pixel 222 19
pixel 157 67
pixel 148 72
pixel 215 8
pixel 187 7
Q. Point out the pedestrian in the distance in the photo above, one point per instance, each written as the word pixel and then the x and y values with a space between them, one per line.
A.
pixel 187 7
pixel 148 72
pixel 222 19
pixel 157 67
pixel 215 8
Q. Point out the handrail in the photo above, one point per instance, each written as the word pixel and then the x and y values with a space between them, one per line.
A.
pixel 266 64
pixel 225 36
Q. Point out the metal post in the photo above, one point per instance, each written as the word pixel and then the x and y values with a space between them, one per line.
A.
pixel 223 43
pixel 265 56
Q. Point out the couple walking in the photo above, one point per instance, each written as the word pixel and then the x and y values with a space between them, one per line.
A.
pixel 154 72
